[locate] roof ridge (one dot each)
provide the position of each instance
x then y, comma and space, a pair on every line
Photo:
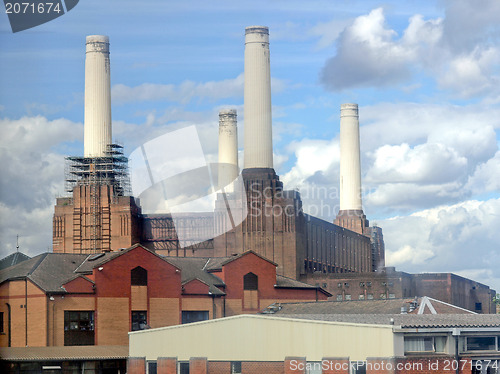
42, 258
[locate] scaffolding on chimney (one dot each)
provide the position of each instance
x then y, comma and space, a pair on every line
109, 170
96, 172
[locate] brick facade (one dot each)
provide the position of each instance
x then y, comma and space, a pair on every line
107, 293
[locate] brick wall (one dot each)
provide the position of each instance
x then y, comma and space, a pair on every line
219, 367
295, 365
261, 367
166, 365
198, 365
136, 365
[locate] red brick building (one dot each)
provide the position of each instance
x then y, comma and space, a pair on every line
57, 299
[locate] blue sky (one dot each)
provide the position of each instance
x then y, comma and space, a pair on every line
425, 75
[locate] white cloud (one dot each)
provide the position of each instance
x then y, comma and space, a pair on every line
370, 53
486, 177
367, 55
32, 172
182, 93
186, 91
329, 31
414, 156
456, 238
425, 163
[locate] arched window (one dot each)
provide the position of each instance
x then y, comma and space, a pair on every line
139, 277
250, 282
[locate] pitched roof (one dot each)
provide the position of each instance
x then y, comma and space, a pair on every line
47, 270
407, 320
428, 305
232, 258
392, 306
285, 282
13, 259
194, 268
421, 305
77, 352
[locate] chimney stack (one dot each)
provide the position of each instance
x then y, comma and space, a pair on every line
228, 149
97, 120
351, 214
350, 166
257, 99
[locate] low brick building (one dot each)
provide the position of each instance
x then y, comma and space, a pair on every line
58, 299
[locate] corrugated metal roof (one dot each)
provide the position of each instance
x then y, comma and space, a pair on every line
79, 352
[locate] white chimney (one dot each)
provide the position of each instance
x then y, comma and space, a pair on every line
350, 166
257, 99
228, 148
97, 133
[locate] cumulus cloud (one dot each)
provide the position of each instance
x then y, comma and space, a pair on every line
458, 51
32, 171
457, 238
414, 156
366, 55
425, 163
485, 178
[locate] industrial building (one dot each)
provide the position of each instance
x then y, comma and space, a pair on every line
258, 214
114, 269
384, 343
100, 215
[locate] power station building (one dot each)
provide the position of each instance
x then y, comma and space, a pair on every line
252, 210
101, 216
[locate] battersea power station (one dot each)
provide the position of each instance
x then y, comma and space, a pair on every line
248, 210
252, 211
162, 237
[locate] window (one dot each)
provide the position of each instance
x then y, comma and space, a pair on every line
369, 296
139, 277
78, 327
425, 344
189, 316
139, 320
325, 285
236, 367
368, 284
346, 284
392, 296
361, 297
313, 367
358, 367
481, 343
361, 284
382, 295
251, 282
152, 367
339, 297
339, 285
348, 297
1, 322
183, 367
479, 307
